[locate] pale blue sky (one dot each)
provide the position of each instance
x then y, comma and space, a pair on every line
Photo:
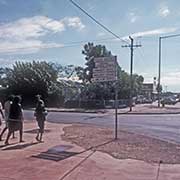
45, 29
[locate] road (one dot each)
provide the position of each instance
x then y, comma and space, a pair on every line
164, 127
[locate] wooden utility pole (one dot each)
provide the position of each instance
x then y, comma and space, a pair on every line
131, 46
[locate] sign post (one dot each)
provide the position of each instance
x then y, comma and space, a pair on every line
116, 110
106, 69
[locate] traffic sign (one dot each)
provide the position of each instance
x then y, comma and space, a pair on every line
105, 69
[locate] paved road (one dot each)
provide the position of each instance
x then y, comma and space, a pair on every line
165, 127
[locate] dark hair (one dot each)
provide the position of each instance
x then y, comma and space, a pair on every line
10, 98
17, 99
15, 108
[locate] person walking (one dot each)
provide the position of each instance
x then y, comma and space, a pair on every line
40, 114
7, 105
15, 122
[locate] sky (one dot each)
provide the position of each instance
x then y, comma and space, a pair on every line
56, 31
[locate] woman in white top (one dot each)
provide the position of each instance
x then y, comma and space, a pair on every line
7, 106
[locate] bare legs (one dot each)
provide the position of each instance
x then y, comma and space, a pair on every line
9, 135
20, 135
12, 130
39, 136
7, 139
40, 130
3, 131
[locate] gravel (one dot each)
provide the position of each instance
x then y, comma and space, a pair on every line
128, 145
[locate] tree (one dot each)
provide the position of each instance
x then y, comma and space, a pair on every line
81, 73
3, 73
105, 90
31, 78
137, 84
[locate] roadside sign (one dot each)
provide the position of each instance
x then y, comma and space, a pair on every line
105, 69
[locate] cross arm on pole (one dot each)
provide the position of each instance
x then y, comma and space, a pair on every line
137, 45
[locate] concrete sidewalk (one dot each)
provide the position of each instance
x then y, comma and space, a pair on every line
56, 159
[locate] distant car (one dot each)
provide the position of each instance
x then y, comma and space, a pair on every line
143, 100
168, 100
139, 99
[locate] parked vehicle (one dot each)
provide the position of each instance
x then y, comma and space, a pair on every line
169, 100
143, 100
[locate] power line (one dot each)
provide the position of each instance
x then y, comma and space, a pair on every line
96, 21
65, 45
140, 57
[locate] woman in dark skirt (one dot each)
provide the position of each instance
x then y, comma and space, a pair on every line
15, 122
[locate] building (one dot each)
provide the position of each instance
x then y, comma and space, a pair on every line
149, 90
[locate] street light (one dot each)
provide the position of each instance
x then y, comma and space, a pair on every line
159, 76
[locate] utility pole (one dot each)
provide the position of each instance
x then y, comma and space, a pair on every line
131, 46
116, 102
116, 110
159, 75
159, 70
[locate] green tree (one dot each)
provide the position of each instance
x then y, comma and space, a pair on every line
31, 78
105, 90
137, 83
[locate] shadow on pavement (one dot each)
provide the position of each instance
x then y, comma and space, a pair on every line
105, 143
34, 131
6, 178
2, 146
20, 146
58, 156
58, 153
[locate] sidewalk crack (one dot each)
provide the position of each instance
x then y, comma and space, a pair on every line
76, 166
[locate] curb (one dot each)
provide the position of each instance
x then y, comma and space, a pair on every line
72, 111
148, 113
105, 111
